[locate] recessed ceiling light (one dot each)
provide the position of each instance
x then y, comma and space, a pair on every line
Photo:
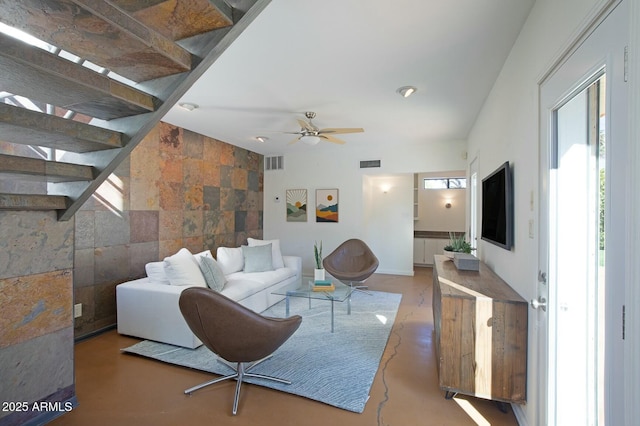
262, 139
188, 106
406, 91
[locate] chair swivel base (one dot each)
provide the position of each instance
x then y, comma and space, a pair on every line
360, 288
240, 373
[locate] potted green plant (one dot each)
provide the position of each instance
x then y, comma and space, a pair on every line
318, 273
457, 244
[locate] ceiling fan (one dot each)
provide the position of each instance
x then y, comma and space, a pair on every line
311, 135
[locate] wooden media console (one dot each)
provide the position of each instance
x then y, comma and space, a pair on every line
480, 333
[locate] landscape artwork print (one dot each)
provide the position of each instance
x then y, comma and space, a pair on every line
296, 205
327, 205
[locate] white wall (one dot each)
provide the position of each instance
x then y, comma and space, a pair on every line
507, 129
361, 216
389, 200
432, 213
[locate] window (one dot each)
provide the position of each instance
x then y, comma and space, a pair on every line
445, 183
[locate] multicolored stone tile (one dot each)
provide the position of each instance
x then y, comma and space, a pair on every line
226, 155
171, 224
227, 199
239, 179
140, 254
193, 144
111, 228
192, 223
170, 167
145, 163
171, 195
170, 138
34, 242
145, 195
193, 197
35, 305
144, 225
84, 268
211, 198
211, 174
111, 264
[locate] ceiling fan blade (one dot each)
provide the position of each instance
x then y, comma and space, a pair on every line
333, 139
294, 141
337, 130
306, 126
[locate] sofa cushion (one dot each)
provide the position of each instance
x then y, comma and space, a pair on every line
156, 273
230, 259
257, 259
241, 285
276, 254
182, 269
212, 272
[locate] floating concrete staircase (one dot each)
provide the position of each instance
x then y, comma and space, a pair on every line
74, 107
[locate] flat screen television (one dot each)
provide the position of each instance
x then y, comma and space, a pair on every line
497, 207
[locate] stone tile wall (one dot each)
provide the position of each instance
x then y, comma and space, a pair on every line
178, 189
36, 324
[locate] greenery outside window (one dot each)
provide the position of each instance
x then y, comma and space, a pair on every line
445, 183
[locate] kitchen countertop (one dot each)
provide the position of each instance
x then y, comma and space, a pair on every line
433, 234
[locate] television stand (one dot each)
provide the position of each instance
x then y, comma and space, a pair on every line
480, 326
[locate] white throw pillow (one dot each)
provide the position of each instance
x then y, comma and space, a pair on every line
257, 258
182, 269
206, 253
155, 272
230, 259
276, 254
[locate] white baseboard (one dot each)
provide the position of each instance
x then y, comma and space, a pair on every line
395, 272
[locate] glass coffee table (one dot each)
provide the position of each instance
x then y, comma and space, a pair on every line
340, 294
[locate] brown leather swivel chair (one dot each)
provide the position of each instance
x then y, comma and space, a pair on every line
235, 333
352, 261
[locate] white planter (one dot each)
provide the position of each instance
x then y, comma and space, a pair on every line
318, 274
449, 254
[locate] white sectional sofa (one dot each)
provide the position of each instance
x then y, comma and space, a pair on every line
148, 307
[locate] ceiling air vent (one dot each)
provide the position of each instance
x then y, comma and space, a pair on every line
274, 163
366, 164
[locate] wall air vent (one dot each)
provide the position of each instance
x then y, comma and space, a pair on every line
274, 163
366, 164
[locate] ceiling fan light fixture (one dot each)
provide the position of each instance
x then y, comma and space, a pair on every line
310, 139
406, 91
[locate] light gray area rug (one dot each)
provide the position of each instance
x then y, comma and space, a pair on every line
334, 368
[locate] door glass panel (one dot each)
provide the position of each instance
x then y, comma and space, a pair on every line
577, 253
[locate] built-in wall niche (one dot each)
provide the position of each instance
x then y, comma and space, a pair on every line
440, 201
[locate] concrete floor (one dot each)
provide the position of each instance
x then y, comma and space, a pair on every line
118, 389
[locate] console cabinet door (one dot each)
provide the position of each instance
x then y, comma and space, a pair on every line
418, 251
425, 248
430, 248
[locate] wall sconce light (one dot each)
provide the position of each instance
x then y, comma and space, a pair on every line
448, 204
385, 188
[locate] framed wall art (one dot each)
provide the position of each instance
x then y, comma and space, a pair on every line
327, 205
296, 205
